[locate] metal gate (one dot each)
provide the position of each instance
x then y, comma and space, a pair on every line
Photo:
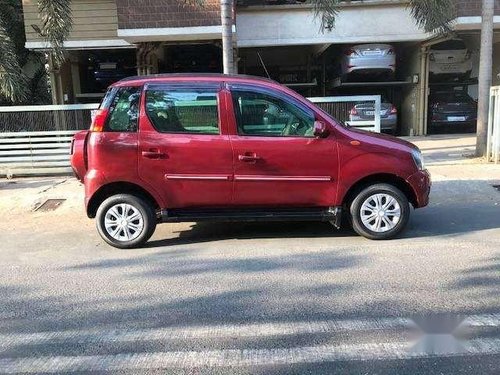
341, 107
36, 140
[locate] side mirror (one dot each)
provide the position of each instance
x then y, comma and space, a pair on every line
320, 129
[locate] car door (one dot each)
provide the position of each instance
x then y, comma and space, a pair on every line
184, 150
277, 159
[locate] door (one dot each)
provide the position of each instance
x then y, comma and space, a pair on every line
184, 152
278, 161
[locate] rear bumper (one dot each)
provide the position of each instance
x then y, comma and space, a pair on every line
93, 181
446, 122
421, 184
443, 69
386, 123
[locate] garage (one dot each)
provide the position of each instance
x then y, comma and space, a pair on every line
319, 70
452, 85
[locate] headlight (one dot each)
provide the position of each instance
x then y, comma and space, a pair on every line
418, 159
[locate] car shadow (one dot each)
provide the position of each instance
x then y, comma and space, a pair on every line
216, 231
457, 207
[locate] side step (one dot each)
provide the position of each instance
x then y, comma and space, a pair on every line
332, 214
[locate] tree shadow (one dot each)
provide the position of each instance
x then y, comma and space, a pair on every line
481, 280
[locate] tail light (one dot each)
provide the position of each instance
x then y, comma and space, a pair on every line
391, 51
353, 112
350, 52
99, 120
436, 105
394, 110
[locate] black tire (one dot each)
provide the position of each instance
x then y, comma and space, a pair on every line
366, 193
147, 214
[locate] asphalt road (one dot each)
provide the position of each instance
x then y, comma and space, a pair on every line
253, 298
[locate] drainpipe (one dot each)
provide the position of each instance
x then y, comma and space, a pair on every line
424, 89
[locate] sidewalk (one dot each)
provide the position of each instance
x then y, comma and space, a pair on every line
447, 149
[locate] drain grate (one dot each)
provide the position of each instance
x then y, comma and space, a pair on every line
50, 205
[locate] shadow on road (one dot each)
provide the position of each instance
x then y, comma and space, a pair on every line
215, 231
457, 207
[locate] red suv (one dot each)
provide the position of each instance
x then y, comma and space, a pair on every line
213, 147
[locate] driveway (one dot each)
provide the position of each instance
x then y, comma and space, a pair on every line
256, 298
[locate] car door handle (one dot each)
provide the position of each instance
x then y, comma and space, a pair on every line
153, 154
253, 158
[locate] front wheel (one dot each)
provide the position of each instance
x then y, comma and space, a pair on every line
380, 212
125, 221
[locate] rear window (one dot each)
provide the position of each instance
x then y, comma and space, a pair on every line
124, 110
450, 97
450, 45
183, 110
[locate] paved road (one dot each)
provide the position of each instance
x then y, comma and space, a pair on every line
254, 298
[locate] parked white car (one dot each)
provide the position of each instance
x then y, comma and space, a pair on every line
450, 59
369, 59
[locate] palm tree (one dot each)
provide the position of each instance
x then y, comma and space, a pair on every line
56, 24
226, 15
485, 76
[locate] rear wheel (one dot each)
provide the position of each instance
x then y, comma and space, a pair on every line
125, 221
380, 212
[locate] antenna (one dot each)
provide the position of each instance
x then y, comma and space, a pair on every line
263, 65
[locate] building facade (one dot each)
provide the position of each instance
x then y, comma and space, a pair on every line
281, 39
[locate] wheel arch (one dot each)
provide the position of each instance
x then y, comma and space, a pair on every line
119, 187
380, 178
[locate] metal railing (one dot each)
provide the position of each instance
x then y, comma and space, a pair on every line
45, 117
493, 145
339, 107
36, 140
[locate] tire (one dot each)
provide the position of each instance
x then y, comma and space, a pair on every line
371, 219
110, 211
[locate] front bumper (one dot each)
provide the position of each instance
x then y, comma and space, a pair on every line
421, 184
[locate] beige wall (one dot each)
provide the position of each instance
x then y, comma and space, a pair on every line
355, 23
92, 20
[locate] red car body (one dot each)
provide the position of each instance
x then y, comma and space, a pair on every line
232, 171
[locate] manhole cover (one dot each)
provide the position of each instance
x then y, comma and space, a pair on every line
50, 205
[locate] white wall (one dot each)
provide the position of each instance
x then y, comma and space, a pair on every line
296, 25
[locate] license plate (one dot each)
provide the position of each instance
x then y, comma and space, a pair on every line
456, 118
107, 66
450, 67
372, 53
370, 113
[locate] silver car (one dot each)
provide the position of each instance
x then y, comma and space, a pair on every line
366, 112
369, 59
450, 59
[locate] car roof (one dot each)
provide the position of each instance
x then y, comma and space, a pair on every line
190, 77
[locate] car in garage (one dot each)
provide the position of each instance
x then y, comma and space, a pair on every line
369, 61
198, 147
452, 111
365, 111
450, 60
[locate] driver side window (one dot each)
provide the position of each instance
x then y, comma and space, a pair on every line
261, 114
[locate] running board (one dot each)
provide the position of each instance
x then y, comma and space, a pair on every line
332, 214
